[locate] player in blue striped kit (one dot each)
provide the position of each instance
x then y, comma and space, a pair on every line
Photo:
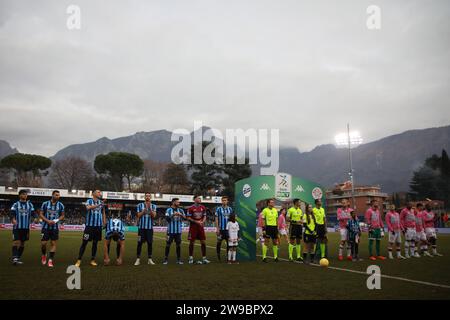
51, 213
175, 216
146, 212
22, 213
222, 215
95, 221
115, 230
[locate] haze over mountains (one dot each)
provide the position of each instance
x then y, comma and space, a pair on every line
388, 162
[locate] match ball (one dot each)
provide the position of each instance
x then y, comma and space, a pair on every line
324, 262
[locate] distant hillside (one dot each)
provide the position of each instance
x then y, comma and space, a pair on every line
388, 162
6, 149
155, 145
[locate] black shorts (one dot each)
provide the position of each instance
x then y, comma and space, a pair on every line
295, 231
271, 232
321, 232
145, 235
309, 238
223, 235
171, 237
49, 234
21, 234
92, 233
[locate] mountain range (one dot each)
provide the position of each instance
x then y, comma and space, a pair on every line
388, 162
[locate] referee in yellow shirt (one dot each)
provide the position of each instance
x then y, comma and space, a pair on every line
296, 218
270, 229
321, 222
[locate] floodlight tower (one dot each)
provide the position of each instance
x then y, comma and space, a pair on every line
348, 140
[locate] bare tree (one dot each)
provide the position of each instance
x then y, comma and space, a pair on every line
175, 178
71, 173
152, 178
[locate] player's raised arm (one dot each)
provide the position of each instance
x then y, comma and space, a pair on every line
90, 205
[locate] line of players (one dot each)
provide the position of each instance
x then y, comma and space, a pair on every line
52, 213
416, 224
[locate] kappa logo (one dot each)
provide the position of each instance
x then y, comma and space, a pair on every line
299, 188
265, 186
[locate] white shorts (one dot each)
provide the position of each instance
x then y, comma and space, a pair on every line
395, 237
232, 243
420, 236
344, 234
410, 234
282, 232
430, 233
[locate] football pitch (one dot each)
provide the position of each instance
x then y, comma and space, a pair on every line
423, 278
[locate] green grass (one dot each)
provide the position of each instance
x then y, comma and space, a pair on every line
253, 280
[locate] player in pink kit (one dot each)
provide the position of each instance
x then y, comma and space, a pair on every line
428, 222
375, 224
421, 238
395, 232
408, 222
260, 228
343, 215
282, 226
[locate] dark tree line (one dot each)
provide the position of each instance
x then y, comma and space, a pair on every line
432, 179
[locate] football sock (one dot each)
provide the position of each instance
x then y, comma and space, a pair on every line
341, 249
20, 251
275, 251
43, 250
149, 248
82, 249
14, 252
370, 247
118, 250
139, 249
264, 251
52, 255
166, 254
299, 250
218, 247
229, 255
178, 247
349, 250
291, 250
407, 247
94, 249
203, 246
191, 249
234, 256
377, 246
322, 250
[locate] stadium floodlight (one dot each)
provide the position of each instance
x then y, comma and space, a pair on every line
348, 140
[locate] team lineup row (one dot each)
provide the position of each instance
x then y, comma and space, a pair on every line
51, 214
417, 224
297, 227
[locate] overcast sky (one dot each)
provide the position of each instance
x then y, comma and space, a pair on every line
304, 67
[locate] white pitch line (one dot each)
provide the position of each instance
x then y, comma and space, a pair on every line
382, 275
